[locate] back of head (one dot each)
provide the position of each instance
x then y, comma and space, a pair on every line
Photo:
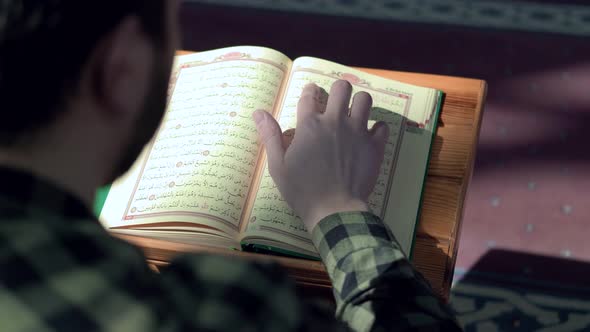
44, 45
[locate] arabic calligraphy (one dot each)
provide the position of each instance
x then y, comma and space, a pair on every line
203, 158
270, 208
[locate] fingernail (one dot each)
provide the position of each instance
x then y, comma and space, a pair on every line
258, 116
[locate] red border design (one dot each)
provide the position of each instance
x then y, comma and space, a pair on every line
403, 125
171, 88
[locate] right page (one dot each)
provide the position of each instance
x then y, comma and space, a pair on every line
410, 112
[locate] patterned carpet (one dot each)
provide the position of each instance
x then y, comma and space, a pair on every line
569, 17
524, 254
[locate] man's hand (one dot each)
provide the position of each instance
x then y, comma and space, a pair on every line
333, 162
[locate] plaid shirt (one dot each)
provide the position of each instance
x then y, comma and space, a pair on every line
61, 271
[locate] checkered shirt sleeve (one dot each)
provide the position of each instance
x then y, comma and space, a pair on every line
374, 285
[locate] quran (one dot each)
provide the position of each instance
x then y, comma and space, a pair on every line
203, 178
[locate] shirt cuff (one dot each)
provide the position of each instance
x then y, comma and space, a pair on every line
341, 234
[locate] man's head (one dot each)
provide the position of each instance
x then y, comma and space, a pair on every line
92, 72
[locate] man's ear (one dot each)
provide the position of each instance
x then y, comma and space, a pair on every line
120, 69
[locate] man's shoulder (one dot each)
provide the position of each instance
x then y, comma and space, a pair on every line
50, 244
55, 277
227, 270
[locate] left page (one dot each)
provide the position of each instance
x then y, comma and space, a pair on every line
196, 173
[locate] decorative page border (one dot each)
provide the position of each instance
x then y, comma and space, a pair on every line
356, 81
232, 56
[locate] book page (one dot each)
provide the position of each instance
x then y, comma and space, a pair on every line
401, 106
200, 165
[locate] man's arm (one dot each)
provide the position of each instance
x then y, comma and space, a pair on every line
375, 286
331, 167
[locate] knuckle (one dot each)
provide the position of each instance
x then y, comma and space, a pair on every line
275, 172
268, 134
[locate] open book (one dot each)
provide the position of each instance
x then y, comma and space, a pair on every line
203, 178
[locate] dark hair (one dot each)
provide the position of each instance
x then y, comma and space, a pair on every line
44, 45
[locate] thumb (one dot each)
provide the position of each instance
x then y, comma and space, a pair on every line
271, 136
